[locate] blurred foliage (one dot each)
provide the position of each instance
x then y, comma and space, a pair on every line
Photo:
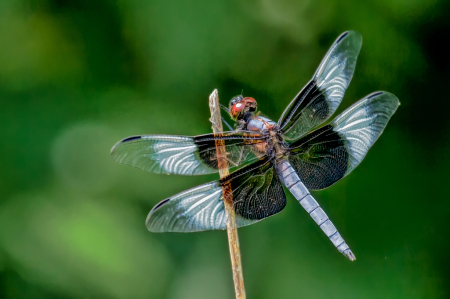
77, 76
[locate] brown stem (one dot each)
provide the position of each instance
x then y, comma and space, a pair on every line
233, 240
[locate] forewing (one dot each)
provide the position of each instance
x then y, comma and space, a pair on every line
319, 99
328, 154
255, 190
185, 155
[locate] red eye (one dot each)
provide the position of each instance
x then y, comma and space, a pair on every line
238, 106
236, 109
248, 99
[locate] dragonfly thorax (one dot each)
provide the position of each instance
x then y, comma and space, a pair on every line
267, 126
261, 124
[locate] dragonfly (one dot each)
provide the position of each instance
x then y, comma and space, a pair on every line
297, 152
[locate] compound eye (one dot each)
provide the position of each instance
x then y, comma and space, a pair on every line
249, 99
239, 106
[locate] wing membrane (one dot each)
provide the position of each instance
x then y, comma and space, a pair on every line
185, 155
319, 99
255, 190
196, 209
328, 154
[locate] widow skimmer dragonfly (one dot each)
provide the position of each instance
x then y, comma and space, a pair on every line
295, 152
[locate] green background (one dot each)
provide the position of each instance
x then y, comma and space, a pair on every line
77, 76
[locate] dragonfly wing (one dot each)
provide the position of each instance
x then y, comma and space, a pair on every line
185, 155
255, 190
319, 99
328, 154
197, 209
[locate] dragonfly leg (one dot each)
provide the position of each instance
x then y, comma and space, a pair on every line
229, 127
225, 108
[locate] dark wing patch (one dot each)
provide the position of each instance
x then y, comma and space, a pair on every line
320, 158
328, 154
312, 109
256, 190
318, 100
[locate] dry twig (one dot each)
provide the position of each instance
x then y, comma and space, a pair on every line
233, 240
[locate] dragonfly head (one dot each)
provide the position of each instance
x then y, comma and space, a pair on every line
240, 105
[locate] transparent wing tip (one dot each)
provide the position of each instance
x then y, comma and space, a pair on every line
128, 139
388, 98
349, 254
150, 222
114, 148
